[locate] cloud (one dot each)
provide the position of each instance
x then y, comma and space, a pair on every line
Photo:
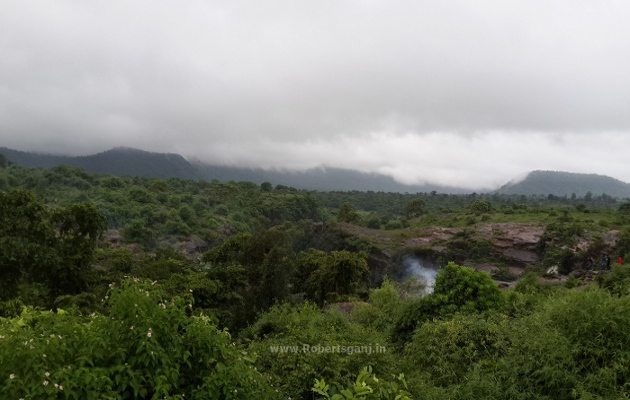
460, 93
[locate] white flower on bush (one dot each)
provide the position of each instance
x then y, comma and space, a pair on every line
45, 383
12, 376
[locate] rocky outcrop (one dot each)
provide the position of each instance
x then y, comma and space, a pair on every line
512, 241
517, 242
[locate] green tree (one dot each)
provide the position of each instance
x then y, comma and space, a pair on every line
457, 289
55, 248
624, 208
78, 226
463, 288
27, 239
187, 214
415, 208
481, 206
348, 213
137, 231
266, 187
342, 273
3, 161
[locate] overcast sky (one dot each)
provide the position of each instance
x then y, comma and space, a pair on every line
461, 93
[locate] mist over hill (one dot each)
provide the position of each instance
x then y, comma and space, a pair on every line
566, 183
133, 162
117, 161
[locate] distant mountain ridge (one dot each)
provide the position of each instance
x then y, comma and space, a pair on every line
566, 183
133, 162
117, 161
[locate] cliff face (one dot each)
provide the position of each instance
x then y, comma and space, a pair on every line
517, 244
483, 246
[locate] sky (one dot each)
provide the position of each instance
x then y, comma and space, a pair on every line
460, 93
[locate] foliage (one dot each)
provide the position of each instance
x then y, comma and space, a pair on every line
530, 284
443, 351
466, 340
297, 344
481, 206
144, 346
617, 282
341, 273
457, 289
464, 289
368, 387
53, 247
415, 208
504, 274
348, 213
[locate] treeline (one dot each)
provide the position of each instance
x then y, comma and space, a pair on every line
394, 204
148, 210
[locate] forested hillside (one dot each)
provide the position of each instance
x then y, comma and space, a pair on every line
146, 288
567, 184
134, 162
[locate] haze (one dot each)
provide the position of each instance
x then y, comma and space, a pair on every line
459, 93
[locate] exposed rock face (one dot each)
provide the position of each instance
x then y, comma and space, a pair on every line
517, 242
521, 256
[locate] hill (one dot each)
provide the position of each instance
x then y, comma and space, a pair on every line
566, 183
123, 161
118, 161
133, 162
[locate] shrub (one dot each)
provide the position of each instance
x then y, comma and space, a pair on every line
457, 289
464, 289
443, 351
142, 347
367, 386
504, 274
280, 335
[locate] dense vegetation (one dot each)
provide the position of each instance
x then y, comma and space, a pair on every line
120, 287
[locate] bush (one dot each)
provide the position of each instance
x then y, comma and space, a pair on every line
457, 289
280, 335
504, 274
464, 289
391, 225
444, 351
617, 282
142, 347
367, 386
